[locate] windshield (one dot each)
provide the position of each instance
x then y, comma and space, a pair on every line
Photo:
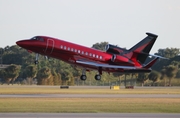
37, 38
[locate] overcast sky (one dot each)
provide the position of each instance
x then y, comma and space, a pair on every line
86, 22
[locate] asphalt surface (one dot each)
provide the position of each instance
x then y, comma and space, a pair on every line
90, 96
88, 115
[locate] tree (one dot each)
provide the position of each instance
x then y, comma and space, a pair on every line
30, 72
119, 75
44, 76
163, 75
178, 74
154, 75
65, 76
142, 77
171, 72
11, 73
12, 55
100, 46
168, 52
56, 77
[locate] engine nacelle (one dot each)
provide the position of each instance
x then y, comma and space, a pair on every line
114, 49
120, 59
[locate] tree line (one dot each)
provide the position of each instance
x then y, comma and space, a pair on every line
50, 71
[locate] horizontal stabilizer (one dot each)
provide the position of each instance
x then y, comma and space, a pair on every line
151, 63
157, 56
154, 55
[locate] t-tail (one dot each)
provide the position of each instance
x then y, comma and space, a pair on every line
139, 52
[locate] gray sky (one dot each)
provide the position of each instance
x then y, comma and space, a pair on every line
86, 22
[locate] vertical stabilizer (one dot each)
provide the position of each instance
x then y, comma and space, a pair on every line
141, 50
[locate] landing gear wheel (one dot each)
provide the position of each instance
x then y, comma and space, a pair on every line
97, 77
83, 77
36, 62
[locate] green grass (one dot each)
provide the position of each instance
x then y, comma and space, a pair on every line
90, 105
4, 89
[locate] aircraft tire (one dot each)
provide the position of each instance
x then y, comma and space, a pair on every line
83, 77
36, 62
97, 77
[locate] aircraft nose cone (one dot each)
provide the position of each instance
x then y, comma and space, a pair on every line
22, 43
18, 42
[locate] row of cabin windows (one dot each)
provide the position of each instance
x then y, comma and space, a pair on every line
80, 52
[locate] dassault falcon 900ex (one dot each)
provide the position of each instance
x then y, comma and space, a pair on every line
114, 59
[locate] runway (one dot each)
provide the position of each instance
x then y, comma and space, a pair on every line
88, 115
90, 96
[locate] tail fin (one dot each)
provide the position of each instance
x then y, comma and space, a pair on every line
141, 50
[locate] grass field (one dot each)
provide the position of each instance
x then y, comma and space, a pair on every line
88, 105
5, 89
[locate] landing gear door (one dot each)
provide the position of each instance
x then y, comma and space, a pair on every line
49, 46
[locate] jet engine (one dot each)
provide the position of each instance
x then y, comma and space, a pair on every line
119, 58
112, 49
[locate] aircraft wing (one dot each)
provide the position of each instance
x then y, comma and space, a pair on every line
98, 65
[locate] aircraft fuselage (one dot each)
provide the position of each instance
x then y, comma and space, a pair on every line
115, 59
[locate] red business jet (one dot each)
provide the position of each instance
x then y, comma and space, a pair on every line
114, 59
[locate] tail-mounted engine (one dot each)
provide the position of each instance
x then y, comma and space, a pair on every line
114, 49
120, 59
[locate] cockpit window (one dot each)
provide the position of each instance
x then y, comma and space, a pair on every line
37, 38
34, 38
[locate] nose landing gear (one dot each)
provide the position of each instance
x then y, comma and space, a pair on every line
37, 58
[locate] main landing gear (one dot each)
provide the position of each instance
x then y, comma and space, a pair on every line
97, 77
84, 77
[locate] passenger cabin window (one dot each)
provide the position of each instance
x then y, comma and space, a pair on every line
82, 52
68, 48
75, 50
